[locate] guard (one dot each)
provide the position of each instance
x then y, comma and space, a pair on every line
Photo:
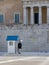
19, 47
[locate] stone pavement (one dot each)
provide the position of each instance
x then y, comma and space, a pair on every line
24, 60
26, 54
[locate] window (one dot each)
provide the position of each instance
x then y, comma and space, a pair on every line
1, 18
11, 43
16, 18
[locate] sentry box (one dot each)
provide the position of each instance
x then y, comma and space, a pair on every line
12, 43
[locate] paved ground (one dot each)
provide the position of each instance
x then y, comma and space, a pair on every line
24, 60
26, 54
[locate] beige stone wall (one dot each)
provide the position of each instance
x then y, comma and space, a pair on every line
9, 7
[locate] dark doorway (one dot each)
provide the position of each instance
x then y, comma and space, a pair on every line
36, 18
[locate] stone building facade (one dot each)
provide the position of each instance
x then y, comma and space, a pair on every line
27, 18
27, 11
9, 8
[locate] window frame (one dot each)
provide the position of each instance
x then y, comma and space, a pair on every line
14, 17
10, 43
3, 18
